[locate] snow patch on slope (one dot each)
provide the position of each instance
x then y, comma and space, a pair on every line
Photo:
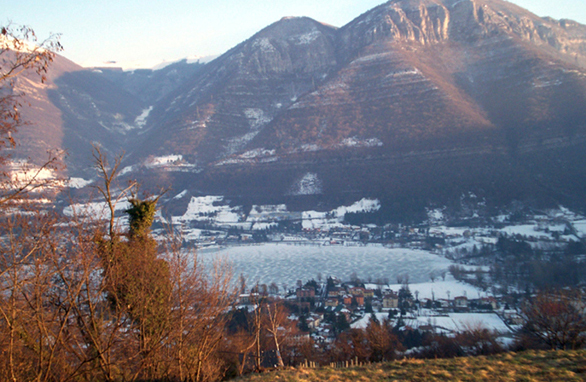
24, 174
163, 160
259, 155
172, 162
335, 218
256, 117
307, 38
140, 121
435, 216
214, 210
207, 208
309, 184
363, 205
78, 182
97, 210
180, 195
357, 142
264, 44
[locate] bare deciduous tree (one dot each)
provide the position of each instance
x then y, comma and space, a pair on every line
276, 316
202, 295
557, 319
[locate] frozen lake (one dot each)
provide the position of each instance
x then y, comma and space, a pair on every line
287, 263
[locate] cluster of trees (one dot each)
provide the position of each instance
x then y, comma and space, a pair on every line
554, 320
514, 262
520, 265
82, 299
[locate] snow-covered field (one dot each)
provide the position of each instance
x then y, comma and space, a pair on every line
452, 322
580, 226
440, 289
285, 263
97, 210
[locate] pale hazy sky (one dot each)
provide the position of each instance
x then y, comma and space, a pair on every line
144, 33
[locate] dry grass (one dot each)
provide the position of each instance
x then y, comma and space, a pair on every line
526, 366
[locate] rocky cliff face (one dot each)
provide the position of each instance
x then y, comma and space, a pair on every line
433, 21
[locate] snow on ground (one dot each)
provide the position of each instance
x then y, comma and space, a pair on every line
234, 144
78, 182
315, 219
580, 226
452, 322
140, 121
564, 213
257, 118
285, 264
180, 195
363, 322
126, 170
335, 218
448, 231
306, 38
457, 322
266, 215
206, 208
252, 156
256, 153
261, 210
363, 205
525, 230
163, 160
440, 289
264, 44
97, 210
309, 147
192, 234
356, 142
227, 215
203, 204
20, 45
259, 226
210, 208
309, 184
435, 215
23, 173
541, 231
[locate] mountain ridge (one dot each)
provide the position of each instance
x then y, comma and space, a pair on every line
414, 102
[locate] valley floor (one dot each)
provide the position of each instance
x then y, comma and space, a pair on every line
525, 366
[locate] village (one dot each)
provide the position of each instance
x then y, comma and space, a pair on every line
323, 310
444, 301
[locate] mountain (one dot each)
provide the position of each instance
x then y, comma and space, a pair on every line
221, 110
417, 103
149, 85
77, 107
